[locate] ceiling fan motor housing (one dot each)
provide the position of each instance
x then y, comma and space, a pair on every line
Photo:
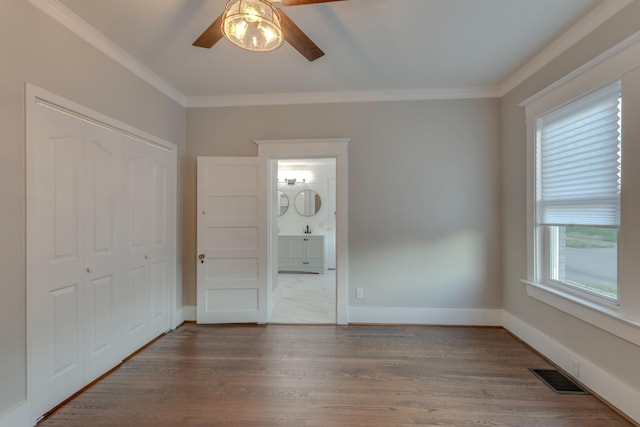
253, 25
259, 26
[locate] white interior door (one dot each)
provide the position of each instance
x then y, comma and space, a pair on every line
232, 264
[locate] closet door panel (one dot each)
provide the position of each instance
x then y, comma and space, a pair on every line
159, 294
159, 239
66, 176
65, 326
103, 258
138, 192
159, 201
56, 262
99, 297
138, 313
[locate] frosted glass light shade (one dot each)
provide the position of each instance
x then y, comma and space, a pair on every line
253, 25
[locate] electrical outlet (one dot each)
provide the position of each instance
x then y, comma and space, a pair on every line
359, 293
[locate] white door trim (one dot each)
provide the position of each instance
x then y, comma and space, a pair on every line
323, 147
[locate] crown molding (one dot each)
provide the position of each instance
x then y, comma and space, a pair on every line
80, 27
574, 34
340, 97
593, 63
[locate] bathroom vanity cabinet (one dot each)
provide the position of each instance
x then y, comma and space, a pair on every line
304, 253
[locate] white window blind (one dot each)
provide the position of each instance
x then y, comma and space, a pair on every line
578, 161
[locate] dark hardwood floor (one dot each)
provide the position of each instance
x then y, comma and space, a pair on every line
331, 376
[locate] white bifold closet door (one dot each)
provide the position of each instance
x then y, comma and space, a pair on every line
103, 231
89, 206
148, 243
74, 269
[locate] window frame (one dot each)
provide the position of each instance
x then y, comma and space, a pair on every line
622, 318
547, 255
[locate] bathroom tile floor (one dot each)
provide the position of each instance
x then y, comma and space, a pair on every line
305, 298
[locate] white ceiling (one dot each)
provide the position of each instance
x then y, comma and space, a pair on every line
371, 46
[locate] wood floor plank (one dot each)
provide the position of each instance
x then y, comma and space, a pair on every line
331, 376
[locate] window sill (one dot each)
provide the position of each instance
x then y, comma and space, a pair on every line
604, 316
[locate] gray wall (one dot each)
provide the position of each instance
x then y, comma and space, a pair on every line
423, 192
615, 355
36, 49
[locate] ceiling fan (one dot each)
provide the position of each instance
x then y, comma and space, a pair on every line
245, 21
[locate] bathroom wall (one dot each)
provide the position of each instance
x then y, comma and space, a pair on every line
293, 222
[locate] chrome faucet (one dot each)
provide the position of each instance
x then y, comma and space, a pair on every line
307, 230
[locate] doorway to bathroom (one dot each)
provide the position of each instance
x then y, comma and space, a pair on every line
304, 289
337, 148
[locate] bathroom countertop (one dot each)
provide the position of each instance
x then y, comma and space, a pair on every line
300, 234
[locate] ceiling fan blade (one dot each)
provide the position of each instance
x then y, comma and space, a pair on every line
298, 39
211, 35
302, 2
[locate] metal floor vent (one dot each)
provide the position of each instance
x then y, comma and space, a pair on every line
557, 381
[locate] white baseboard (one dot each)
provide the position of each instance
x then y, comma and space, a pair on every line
189, 313
605, 385
426, 316
406, 315
16, 417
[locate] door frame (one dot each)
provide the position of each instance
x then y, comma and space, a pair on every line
337, 148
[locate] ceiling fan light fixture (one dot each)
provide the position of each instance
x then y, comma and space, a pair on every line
252, 25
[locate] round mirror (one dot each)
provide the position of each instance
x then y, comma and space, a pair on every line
283, 201
307, 203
